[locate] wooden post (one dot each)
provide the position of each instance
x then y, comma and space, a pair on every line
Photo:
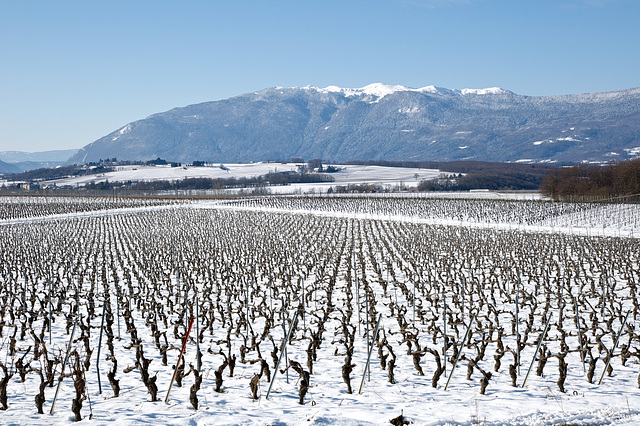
184, 345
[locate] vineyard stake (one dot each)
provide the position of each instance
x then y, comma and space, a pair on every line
444, 324
184, 345
366, 368
198, 362
118, 305
414, 302
464, 286
464, 340
367, 323
544, 334
66, 358
304, 310
518, 326
104, 308
604, 292
284, 332
84, 375
615, 345
78, 297
282, 350
50, 314
355, 275
246, 311
575, 304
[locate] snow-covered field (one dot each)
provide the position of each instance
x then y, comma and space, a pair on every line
348, 175
250, 264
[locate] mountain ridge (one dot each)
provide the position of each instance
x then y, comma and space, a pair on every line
382, 121
22, 161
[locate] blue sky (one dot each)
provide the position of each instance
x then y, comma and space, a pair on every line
73, 71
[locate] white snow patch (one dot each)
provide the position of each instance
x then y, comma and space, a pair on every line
125, 129
568, 139
633, 151
377, 91
409, 110
487, 91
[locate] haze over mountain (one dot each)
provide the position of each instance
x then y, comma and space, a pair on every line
384, 122
24, 161
8, 168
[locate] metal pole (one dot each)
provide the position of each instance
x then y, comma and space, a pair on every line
575, 304
282, 350
544, 334
118, 305
366, 369
518, 326
246, 300
444, 325
198, 362
66, 358
464, 340
414, 303
464, 286
50, 315
367, 324
284, 332
615, 345
355, 276
104, 308
304, 310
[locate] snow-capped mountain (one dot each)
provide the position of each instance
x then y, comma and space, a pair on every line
381, 121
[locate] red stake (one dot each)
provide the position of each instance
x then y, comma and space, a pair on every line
184, 345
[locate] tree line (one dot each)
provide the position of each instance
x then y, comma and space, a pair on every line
612, 180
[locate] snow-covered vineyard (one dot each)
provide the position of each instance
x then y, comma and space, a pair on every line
293, 297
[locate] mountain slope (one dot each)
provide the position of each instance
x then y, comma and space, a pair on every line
384, 122
8, 168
